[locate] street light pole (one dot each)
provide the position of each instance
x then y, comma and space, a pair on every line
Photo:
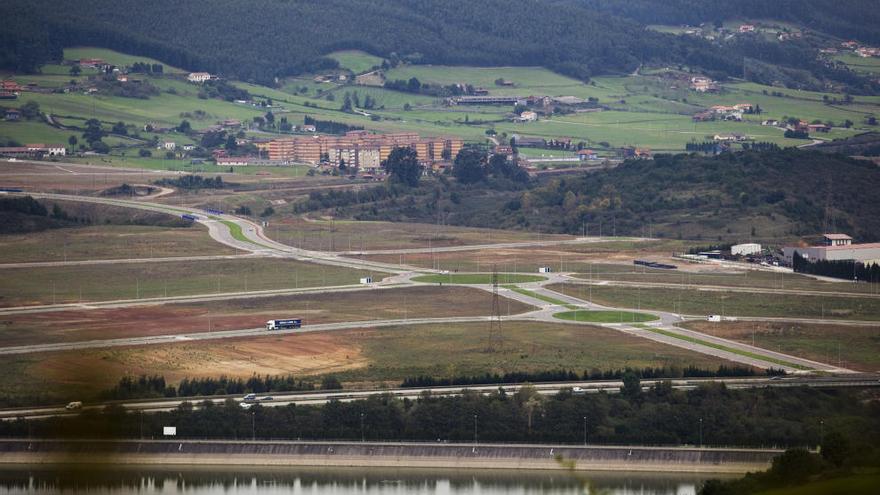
253, 425
701, 432
585, 431
475, 429
363, 436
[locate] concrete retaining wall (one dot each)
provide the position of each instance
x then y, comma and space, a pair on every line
427, 455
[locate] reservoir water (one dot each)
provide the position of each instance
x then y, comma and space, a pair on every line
39, 480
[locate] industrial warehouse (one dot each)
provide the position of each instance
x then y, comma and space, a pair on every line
836, 247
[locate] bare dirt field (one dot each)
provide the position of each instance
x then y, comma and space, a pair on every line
855, 347
337, 235
78, 325
567, 257
71, 178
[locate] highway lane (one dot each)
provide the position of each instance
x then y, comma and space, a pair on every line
123, 261
227, 334
498, 245
223, 296
323, 396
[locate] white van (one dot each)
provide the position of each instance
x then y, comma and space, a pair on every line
714, 318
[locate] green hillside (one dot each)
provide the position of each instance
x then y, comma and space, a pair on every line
260, 40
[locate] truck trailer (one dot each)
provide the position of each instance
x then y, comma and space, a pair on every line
284, 324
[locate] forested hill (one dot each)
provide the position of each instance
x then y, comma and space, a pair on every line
258, 40
731, 197
850, 19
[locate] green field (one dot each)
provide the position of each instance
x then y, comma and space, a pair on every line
725, 348
745, 278
542, 297
24, 286
641, 110
109, 242
454, 350
356, 60
477, 278
696, 302
605, 316
853, 347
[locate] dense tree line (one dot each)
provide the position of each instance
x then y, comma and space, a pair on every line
596, 374
847, 270
193, 182
145, 386
329, 126
251, 40
660, 415
704, 197
799, 467
791, 183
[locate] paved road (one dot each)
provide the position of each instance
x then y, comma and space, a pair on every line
122, 261
497, 245
323, 396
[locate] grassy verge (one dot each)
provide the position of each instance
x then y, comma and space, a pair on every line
854, 347
605, 316
237, 234
542, 297
693, 301
477, 278
725, 348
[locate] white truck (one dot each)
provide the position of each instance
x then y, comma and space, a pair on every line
287, 324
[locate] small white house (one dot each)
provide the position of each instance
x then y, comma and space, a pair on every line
198, 77
745, 249
528, 116
169, 145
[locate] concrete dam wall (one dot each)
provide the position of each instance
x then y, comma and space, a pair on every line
368, 454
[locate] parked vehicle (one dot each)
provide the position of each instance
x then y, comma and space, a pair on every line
284, 324
73, 406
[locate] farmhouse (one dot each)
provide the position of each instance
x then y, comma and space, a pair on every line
198, 77
703, 84
12, 114
47, 149
585, 155
527, 116
730, 137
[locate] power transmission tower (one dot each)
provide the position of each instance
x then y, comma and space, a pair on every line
496, 339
